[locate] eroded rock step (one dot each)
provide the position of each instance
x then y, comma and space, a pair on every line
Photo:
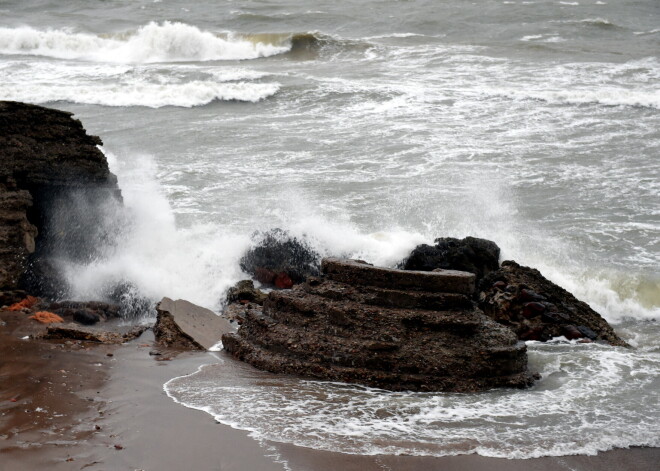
395, 355
281, 363
355, 273
387, 297
298, 308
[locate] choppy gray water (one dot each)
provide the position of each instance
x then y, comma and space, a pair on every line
370, 127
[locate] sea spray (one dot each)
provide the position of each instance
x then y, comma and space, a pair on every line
200, 262
197, 263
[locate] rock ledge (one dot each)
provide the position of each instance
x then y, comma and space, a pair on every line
391, 329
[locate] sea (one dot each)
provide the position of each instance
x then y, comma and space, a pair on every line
366, 128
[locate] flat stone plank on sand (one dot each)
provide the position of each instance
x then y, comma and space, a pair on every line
357, 273
202, 326
73, 331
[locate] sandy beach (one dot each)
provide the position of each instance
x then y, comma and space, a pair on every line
69, 406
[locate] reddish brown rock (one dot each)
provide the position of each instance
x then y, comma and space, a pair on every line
283, 281
392, 329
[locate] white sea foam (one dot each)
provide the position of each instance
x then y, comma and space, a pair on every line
653, 31
605, 96
581, 406
154, 42
140, 93
131, 85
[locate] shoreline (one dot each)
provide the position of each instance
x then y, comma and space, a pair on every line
112, 412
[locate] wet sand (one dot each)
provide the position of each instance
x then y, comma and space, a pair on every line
72, 406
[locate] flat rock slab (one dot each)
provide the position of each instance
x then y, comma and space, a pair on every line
73, 331
182, 324
353, 272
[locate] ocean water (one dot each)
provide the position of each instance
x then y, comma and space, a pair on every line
367, 128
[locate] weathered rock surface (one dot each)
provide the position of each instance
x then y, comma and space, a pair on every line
537, 309
244, 291
478, 256
391, 329
77, 332
182, 324
52, 178
280, 260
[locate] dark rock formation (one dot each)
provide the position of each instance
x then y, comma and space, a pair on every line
280, 260
392, 329
478, 256
537, 309
181, 324
244, 291
53, 183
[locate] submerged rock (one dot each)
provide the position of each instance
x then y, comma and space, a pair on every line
182, 324
537, 309
392, 329
478, 256
281, 260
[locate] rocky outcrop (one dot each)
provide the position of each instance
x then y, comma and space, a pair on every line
280, 260
183, 325
392, 329
478, 256
53, 179
537, 309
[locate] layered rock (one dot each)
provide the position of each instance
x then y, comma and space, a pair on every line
392, 329
53, 178
537, 309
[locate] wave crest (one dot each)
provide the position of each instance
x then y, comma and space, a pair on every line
154, 42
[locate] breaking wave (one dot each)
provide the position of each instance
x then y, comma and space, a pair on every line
154, 42
161, 42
